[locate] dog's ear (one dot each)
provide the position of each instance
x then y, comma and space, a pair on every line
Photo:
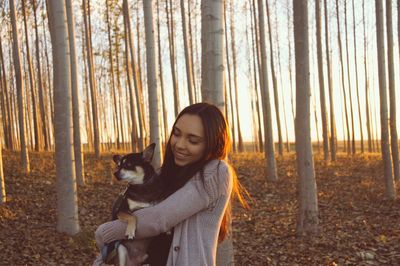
148, 153
117, 159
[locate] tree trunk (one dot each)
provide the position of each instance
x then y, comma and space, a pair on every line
357, 87
268, 136
387, 160
40, 83
370, 140
392, 91
172, 54
212, 47
67, 200
188, 56
321, 81
274, 84
353, 141
79, 165
91, 75
20, 90
32, 83
228, 87
3, 196
152, 81
307, 223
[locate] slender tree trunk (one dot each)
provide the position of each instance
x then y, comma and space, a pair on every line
229, 87
233, 45
79, 165
188, 55
289, 26
321, 81
370, 141
392, 91
353, 141
307, 223
356, 71
8, 133
152, 81
269, 143
256, 62
20, 90
172, 54
91, 75
387, 160
31, 82
160, 69
343, 76
130, 74
136, 79
274, 83
40, 84
67, 200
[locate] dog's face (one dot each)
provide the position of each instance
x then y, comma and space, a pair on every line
135, 168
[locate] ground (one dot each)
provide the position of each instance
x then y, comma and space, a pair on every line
358, 225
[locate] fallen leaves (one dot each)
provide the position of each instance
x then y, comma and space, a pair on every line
358, 225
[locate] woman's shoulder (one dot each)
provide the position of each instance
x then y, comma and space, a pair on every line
216, 166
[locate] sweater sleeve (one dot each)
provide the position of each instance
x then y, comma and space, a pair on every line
192, 198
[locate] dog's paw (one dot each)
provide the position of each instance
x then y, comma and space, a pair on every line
130, 230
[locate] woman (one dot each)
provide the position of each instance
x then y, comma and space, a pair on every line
197, 186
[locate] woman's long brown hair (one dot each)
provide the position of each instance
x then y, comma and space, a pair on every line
218, 144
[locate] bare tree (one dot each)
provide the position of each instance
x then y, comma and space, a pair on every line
369, 133
79, 165
307, 222
20, 90
321, 81
152, 81
268, 137
392, 91
67, 200
91, 76
387, 160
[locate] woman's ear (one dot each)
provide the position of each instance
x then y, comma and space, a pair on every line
148, 153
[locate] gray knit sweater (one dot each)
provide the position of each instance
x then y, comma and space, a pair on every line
195, 212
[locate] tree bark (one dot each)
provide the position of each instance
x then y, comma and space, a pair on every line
268, 136
20, 90
307, 223
67, 200
387, 160
321, 81
79, 161
392, 91
152, 82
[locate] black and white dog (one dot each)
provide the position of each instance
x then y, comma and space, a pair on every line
141, 192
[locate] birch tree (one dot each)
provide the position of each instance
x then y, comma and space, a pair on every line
67, 200
20, 86
152, 81
387, 160
307, 221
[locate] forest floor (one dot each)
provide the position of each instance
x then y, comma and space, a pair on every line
359, 226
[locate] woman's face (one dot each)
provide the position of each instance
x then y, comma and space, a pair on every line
187, 141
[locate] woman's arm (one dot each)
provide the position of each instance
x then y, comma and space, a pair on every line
192, 198
182, 204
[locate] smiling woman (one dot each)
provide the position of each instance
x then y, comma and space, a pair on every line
197, 183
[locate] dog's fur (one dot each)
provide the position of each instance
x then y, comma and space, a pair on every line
141, 192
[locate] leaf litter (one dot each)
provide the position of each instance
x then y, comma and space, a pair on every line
358, 225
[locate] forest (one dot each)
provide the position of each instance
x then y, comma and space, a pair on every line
309, 90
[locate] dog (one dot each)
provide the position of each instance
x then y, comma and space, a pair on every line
141, 192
